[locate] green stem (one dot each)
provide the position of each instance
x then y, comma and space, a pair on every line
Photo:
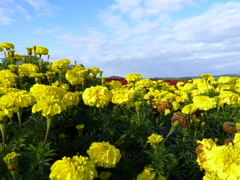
173, 128
2, 128
14, 175
49, 121
19, 115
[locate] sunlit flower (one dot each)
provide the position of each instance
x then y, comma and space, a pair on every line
98, 96
7, 78
27, 69
74, 78
114, 84
155, 139
41, 50
7, 45
94, 71
59, 66
41, 91
123, 96
133, 77
204, 102
49, 107
104, 154
20, 99
70, 99
76, 168
61, 85
224, 79
189, 108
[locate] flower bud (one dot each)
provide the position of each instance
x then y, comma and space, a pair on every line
11, 161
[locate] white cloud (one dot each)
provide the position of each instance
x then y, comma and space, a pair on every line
168, 6
48, 29
218, 24
43, 7
137, 43
5, 17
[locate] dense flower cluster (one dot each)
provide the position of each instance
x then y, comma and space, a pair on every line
104, 154
75, 168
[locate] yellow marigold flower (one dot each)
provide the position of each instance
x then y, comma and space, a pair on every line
41, 91
76, 168
155, 139
11, 160
226, 97
49, 107
98, 96
210, 176
60, 65
13, 67
122, 96
7, 45
21, 98
189, 109
27, 69
224, 79
105, 175
149, 174
104, 154
70, 99
224, 161
7, 78
1, 48
74, 78
114, 84
236, 140
207, 76
146, 83
77, 67
204, 102
60, 85
133, 77
29, 50
80, 70
94, 71
16, 57
41, 50
4, 90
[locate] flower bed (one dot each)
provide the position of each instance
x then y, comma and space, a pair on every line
72, 123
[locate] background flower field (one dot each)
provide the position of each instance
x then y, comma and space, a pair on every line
60, 122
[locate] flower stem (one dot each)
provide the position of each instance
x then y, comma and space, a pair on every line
19, 115
49, 121
2, 129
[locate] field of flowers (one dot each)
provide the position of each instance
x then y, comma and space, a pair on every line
64, 123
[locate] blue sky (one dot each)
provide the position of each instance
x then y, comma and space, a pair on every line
156, 38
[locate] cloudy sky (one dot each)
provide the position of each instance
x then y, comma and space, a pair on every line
156, 38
